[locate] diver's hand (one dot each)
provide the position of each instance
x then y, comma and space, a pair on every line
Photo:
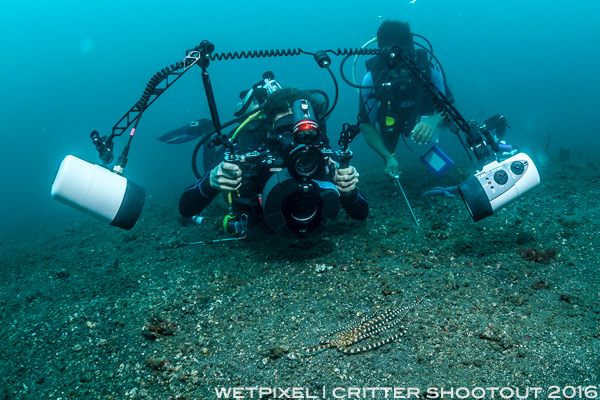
226, 176
346, 180
392, 168
424, 130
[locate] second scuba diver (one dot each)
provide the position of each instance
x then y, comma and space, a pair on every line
392, 103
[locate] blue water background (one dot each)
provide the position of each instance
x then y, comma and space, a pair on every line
69, 67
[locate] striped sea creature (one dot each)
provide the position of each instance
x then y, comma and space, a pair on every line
347, 339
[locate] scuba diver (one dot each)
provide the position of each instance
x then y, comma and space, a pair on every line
279, 167
392, 102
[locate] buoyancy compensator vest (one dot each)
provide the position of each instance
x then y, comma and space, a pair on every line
400, 98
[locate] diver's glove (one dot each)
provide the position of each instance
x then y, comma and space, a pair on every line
392, 168
346, 180
226, 176
425, 129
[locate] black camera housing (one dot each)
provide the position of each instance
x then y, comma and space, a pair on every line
291, 174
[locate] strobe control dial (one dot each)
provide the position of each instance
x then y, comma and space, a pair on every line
501, 177
517, 167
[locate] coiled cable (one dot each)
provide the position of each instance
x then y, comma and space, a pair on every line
257, 54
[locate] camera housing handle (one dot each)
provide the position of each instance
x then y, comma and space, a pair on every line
347, 135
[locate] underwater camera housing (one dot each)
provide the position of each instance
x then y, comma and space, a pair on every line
498, 184
301, 206
298, 194
98, 192
306, 159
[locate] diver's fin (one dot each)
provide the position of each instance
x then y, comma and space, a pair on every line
191, 131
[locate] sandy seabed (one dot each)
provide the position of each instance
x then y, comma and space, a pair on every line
511, 302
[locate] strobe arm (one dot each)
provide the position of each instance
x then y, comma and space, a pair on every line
478, 138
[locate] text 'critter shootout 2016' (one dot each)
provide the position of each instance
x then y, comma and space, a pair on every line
398, 392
